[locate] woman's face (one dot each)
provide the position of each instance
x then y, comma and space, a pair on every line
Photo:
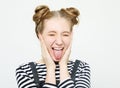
57, 36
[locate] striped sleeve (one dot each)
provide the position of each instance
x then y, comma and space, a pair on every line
49, 85
23, 79
68, 83
82, 79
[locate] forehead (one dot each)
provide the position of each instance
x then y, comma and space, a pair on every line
57, 24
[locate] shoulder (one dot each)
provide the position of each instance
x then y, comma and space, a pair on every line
25, 67
81, 63
83, 66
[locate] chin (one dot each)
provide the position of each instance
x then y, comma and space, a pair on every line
57, 60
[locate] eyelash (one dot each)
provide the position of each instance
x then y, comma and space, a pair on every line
54, 35
51, 34
65, 35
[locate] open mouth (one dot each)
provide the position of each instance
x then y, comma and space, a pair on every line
57, 52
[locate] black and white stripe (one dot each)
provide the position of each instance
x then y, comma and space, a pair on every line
25, 79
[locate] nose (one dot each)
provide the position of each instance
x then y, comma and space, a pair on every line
59, 40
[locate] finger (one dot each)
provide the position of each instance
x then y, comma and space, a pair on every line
44, 48
69, 49
42, 42
67, 54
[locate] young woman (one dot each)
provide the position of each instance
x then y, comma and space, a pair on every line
54, 30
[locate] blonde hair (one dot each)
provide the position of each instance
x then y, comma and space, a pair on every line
42, 12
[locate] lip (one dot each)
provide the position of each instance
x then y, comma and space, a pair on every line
57, 48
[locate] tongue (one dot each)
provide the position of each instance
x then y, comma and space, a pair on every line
57, 54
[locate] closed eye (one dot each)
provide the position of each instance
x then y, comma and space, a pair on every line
65, 34
51, 34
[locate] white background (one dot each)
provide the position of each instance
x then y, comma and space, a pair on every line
96, 39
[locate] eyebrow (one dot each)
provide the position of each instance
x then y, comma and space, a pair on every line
55, 32
51, 32
66, 32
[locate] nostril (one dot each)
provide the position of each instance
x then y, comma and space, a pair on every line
59, 42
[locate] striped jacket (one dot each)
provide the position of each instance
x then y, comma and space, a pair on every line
25, 78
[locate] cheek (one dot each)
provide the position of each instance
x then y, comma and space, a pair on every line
48, 41
67, 41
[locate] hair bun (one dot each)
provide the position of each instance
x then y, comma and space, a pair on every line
40, 12
72, 11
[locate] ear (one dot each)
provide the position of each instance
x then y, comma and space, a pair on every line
39, 36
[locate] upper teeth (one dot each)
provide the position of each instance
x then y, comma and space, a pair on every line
57, 48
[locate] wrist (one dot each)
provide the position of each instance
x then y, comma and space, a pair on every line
63, 64
50, 70
51, 67
50, 77
64, 73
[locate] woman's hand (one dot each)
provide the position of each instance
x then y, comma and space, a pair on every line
50, 76
65, 57
64, 73
45, 55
